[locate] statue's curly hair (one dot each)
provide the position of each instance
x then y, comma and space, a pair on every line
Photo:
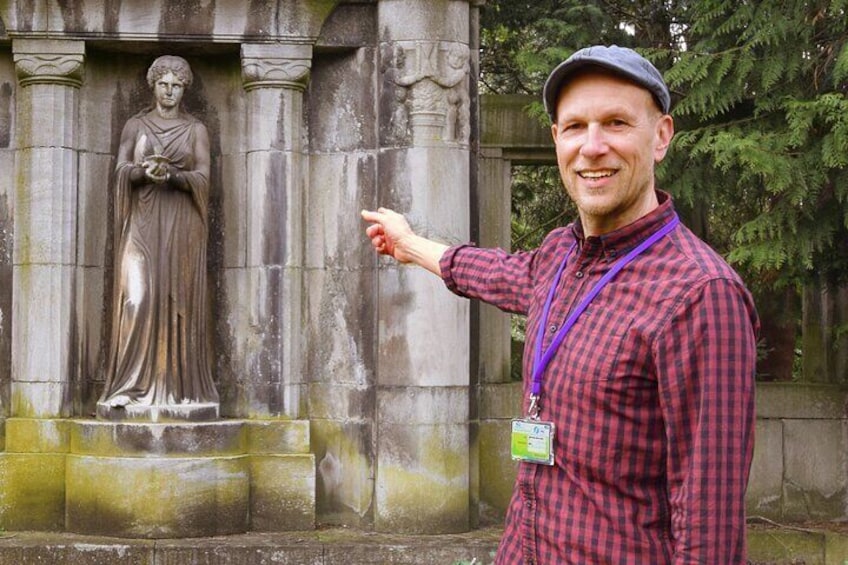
170, 63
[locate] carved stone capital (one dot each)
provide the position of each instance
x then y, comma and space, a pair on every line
275, 66
49, 62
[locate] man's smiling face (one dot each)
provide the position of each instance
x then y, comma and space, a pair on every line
609, 134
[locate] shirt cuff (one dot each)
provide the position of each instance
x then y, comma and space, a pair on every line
446, 265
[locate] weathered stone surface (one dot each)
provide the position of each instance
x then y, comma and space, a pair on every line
765, 485
338, 33
32, 491
767, 546
415, 461
40, 399
801, 401
423, 330
345, 469
260, 337
282, 492
108, 439
341, 86
91, 340
92, 207
274, 208
32, 435
8, 84
414, 19
45, 207
226, 22
496, 470
339, 190
341, 345
157, 497
42, 317
277, 436
418, 183
6, 241
506, 124
812, 490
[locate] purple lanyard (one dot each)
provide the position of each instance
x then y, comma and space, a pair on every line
540, 361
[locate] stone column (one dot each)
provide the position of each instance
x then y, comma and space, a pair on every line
45, 219
499, 399
44, 256
422, 413
264, 268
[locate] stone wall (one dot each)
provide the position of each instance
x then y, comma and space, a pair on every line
313, 114
801, 453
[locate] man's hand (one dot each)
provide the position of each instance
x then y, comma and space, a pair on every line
387, 232
391, 235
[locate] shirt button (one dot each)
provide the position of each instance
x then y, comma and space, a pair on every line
579, 274
553, 328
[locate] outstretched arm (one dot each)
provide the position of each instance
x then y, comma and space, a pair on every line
391, 235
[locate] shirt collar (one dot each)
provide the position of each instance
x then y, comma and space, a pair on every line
616, 243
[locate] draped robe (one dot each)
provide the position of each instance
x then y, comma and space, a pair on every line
159, 351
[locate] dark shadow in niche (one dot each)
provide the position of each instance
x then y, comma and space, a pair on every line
5, 114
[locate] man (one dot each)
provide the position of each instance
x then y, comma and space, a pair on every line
640, 355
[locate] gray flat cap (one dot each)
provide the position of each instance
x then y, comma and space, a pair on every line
622, 61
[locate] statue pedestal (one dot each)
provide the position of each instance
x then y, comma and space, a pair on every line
197, 412
157, 480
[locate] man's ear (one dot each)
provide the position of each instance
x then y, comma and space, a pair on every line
662, 136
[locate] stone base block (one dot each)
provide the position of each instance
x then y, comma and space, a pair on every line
200, 412
32, 491
282, 492
157, 497
166, 480
33, 435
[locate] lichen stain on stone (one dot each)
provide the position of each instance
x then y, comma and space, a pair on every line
345, 474
187, 17
25, 14
419, 501
73, 16
261, 18
5, 115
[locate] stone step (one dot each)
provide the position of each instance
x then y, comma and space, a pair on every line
768, 545
320, 547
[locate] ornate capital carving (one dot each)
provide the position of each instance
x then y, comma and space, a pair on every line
49, 62
434, 76
285, 66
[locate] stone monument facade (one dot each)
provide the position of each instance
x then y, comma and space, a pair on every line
343, 381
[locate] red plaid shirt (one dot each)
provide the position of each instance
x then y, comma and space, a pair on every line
652, 395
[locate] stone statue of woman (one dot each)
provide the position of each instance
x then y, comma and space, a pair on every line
158, 350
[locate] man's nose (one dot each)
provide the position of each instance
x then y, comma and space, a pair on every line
594, 142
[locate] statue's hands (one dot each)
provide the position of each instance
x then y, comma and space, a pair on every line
156, 170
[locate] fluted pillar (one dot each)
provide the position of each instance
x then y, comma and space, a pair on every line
264, 273
49, 75
422, 481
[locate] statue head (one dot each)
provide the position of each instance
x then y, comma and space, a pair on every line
170, 63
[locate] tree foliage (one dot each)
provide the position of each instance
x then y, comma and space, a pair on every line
760, 160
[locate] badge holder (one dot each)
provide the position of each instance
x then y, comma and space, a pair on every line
532, 440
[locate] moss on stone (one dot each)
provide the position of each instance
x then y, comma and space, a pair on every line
420, 501
34, 435
282, 492
32, 491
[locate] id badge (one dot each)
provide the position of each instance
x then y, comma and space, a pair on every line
532, 441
